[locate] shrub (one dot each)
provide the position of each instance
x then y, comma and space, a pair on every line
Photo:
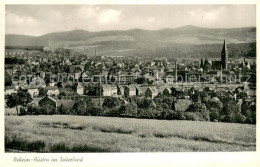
110, 102
130, 110
200, 110
214, 114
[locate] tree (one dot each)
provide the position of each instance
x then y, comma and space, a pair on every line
62, 109
12, 101
207, 66
33, 110
249, 111
252, 51
82, 104
165, 102
231, 113
42, 92
214, 108
130, 110
242, 95
94, 111
49, 109
22, 98
200, 110
140, 80
144, 103
111, 102
8, 79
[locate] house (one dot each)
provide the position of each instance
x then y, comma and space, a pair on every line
52, 83
151, 92
65, 103
181, 104
167, 91
130, 90
80, 89
10, 90
106, 90
33, 90
52, 91
47, 101
140, 90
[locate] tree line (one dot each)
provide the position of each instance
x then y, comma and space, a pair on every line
222, 108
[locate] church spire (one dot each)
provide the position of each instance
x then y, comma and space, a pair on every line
225, 47
224, 56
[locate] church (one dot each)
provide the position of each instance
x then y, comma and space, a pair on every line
223, 63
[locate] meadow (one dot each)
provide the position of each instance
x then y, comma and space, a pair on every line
64, 133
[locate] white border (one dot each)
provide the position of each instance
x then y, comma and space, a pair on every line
243, 159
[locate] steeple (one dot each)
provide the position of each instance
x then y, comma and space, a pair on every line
224, 56
225, 47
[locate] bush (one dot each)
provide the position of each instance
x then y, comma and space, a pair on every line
199, 110
22, 111
110, 102
62, 110
32, 110
130, 110
148, 113
144, 103
178, 115
214, 114
95, 111
231, 112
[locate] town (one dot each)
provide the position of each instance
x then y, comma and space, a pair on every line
62, 81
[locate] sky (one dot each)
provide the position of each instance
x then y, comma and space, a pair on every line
36, 20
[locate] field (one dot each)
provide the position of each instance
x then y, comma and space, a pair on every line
60, 133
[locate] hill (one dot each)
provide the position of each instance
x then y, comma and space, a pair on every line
186, 34
187, 40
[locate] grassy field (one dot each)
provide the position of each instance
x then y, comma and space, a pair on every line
61, 133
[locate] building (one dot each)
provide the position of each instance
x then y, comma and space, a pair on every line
151, 92
80, 89
106, 90
33, 90
223, 63
130, 90
10, 90
140, 90
224, 56
47, 101
52, 91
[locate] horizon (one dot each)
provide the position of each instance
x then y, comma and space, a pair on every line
38, 20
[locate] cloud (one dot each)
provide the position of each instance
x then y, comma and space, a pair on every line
43, 19
100, 15
18, 24
13, 19
109, 16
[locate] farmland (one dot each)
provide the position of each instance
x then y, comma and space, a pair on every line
60, 133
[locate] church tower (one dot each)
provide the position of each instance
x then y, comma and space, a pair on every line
224, 56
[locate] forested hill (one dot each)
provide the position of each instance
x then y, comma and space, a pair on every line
187, 41
137, 37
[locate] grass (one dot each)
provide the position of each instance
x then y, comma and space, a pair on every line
61, 133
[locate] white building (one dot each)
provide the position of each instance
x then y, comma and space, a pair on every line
52, 91
10, 90
33, 90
